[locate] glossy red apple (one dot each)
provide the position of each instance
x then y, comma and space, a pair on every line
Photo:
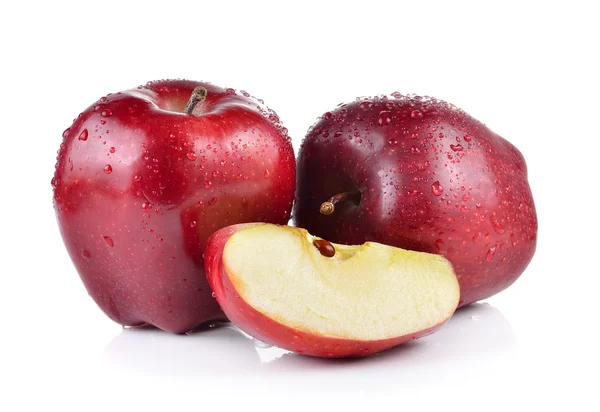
305, 294
145, 176
420, 174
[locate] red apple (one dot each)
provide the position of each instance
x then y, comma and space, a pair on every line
301, 293
145, 176
420, 174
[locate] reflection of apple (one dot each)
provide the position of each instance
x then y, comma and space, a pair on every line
301, 293
212, 352
420, 174
145, 176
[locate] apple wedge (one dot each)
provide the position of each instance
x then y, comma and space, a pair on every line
304, 294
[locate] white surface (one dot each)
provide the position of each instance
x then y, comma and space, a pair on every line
530, 71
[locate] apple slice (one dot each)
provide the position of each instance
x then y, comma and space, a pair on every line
304, 294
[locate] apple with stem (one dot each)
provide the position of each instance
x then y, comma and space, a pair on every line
305, 294
420, 174
145, 176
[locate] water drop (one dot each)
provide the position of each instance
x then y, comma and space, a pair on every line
389, 105
498, 228
490, 254
245, 93
328, 115
456, 147
191, 156
112, 149
392, 142
83, 135
366, 104
86, 254
266, 173
437, 188
66, 132
108, 169
137, 178
513, 241
208, 184
384, 118
106, 113
109, 241
467, 138
229, 90
212, 201
260, 344
146, 206
416, 114
193, 224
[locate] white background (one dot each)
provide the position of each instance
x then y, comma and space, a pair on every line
528, 70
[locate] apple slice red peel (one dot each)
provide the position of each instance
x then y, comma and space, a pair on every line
283, 286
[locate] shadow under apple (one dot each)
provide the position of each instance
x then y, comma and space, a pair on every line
214, 352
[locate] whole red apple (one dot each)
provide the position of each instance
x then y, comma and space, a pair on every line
145, 176
419, 173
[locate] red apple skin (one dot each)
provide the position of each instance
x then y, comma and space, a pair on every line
431, 179
275, 333
138, 190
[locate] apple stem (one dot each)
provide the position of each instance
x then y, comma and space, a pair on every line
328, 207
197, 96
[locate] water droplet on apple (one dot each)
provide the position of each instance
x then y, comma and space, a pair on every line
106, 113
437, 188
108, 169
191, 155
112, 149
366, 104
212, 201
260, 344
416, 114
467, 138
389, 105
137, 178
108, 240
245, 93
208, 184
66, 132
456, 147
490, 254
83, 135
213, 295
498, 228
146, 206
328, 115
384, 118
229, 90
392, 142
266, 174
513, 241
86, 254
193, 223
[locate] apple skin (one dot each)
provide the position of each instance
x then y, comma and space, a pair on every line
140, 186
431, 179
275, 333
